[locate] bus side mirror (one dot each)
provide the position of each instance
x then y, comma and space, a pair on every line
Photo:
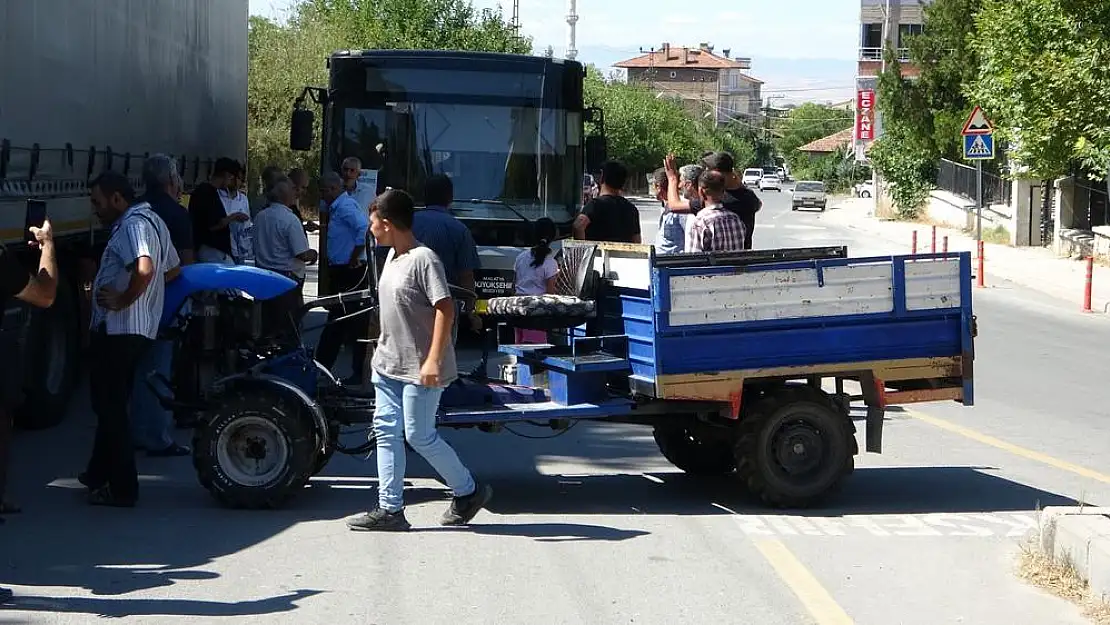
300, 129
597, 152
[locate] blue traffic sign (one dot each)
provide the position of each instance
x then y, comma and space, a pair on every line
979, 147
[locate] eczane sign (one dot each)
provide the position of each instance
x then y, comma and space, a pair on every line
865, 115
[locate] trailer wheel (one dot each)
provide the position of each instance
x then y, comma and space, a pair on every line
51, 362
795, 447
256, 451
696, 455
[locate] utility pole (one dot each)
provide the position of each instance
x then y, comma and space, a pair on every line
515, 23
888, 27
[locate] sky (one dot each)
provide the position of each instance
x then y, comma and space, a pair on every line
804, 50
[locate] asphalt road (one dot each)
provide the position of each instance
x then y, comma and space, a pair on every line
595, 527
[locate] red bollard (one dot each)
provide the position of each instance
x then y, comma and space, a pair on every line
944, 244
913, 245
934, 246
1088, 283
981, 278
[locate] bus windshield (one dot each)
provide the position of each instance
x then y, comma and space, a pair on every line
515, 155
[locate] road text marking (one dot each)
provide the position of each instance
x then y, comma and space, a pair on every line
817, 601
1029, 454
929, 525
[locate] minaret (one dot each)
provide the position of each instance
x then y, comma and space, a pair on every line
515, 23
572, 22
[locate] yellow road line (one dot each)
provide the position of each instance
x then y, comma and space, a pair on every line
1029, 454
817, 601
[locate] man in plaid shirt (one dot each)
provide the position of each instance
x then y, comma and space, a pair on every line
714, 229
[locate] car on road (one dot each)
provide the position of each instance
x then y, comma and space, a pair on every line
770, 182
809, 194
865, 189
752, 176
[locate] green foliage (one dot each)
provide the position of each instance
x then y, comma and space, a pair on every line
949, 63
838, 172
642, 128
1044, 80
284, 58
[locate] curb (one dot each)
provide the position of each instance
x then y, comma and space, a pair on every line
1079, 536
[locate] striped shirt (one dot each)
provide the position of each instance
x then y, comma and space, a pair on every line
715, 229
137, 233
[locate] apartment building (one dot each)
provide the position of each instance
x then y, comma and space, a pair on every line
710, 85
883, 23
895, 20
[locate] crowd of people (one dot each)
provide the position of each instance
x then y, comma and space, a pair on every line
705, 207
150, 237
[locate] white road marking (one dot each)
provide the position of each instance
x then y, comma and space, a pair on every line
928, 525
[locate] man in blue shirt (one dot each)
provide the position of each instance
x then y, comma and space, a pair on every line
448, 237
347, 271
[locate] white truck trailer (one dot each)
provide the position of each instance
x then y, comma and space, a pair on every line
91, 86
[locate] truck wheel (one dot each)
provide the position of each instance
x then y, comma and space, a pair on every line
256, 451
52, 362
795, 447
696, 455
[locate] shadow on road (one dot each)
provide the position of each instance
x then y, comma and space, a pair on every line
178, 531
116, 608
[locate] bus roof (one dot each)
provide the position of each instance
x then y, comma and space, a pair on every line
528, 59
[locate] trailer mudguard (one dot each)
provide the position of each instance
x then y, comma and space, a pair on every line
261, 284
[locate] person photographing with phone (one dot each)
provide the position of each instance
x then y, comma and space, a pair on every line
37, 288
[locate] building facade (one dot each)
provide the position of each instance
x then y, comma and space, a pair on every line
709, 85
883, 24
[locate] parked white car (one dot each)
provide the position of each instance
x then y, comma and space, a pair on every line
752, 176
865, 189
809, 194
770, 182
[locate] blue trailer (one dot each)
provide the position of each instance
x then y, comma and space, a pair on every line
739, 362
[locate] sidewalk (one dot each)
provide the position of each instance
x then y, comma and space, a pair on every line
1032, 267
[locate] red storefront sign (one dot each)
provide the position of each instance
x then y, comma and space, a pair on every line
865, 115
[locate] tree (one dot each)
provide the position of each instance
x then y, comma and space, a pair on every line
904, 154
286, 57
948, 62
643, 128
1045, 82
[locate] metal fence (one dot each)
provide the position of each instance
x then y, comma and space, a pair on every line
1094, 202
960, 179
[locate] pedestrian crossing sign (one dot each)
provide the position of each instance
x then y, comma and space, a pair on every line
978, 147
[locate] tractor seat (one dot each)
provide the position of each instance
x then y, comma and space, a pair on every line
573, 302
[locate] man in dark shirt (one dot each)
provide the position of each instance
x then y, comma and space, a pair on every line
610, 216
152, 424
211, 222
738, 198
37, 289
163, 188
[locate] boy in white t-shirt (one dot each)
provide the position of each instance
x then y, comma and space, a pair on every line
536, 272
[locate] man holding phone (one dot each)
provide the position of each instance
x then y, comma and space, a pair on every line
37, 289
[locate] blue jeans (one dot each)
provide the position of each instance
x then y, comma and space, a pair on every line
151, 424
408, 411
